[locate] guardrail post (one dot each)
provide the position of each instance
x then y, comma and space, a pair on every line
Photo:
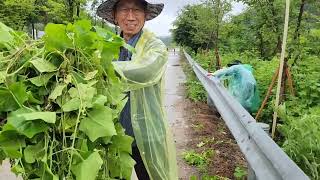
251, 174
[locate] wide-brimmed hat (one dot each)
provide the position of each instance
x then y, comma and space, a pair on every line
105, 10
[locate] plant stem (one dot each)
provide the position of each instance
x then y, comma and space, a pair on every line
76, 127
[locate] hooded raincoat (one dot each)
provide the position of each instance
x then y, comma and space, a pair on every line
242, 85
144, 75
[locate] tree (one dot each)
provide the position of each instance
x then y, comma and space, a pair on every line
97, 20
303, 37
185, 27
24, 14
194, 27
16, 14
219, 8
20, 14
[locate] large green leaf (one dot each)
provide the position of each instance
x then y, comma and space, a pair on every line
5, 35
120, 164
32, 99
18, 123
49, 117
34, 152
7, 102
71, 105
43, 65
77, 77
89, 168
104, 33
17, 92
119, 159
109, 52
11, 143
41, 80
122, 143
83, 37
84, 92
12, 153
82, 95
27, 128
57, 91
99, 100
90, 75
56, 38
99, 123
11, 139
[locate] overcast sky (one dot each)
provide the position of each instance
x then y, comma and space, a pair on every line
163, 23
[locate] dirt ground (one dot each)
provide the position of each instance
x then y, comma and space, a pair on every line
228, 155
201, 124
197, 127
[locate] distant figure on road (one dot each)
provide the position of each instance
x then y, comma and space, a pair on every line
174, 51
241, 84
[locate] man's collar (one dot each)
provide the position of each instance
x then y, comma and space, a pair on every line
133, 38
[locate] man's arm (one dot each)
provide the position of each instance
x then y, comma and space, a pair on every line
225, 72
145, 70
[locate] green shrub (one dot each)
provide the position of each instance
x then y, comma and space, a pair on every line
302, 141
200, 160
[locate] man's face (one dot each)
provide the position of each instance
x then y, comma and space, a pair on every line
130, 16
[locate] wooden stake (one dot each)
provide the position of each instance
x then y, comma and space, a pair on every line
210, 66
283, 82
274, 78
283, 52
290, 81
218, 60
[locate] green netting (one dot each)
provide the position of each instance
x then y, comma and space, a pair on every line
144, 75
242, 85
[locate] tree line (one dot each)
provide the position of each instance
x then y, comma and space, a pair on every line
28, 15
257, 29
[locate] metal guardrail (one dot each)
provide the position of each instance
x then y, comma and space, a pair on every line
266, 160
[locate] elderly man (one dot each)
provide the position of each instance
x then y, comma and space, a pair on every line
143, 116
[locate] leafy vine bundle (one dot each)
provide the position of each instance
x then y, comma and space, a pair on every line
60, 99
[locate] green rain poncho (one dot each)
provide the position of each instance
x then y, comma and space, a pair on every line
144, 75
242, 85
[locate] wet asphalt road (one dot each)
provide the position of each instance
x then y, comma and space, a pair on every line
174, 92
